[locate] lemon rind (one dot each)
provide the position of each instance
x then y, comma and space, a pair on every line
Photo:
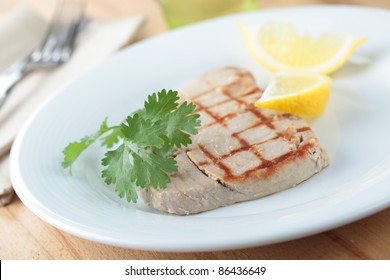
264, 59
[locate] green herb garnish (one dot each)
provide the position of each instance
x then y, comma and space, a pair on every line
146, 140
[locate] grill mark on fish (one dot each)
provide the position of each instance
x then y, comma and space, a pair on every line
263, 120
303, 129
235, 82
200, 107
252, 109
249, 107
214, 159
244, 145
269, 165
204, 173
221, 90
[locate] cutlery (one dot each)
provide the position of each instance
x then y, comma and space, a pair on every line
55, 49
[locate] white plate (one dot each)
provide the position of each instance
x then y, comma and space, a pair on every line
354, 129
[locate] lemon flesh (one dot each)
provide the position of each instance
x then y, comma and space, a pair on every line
278, 46
296, 93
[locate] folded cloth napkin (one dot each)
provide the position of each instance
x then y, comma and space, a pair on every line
20, 32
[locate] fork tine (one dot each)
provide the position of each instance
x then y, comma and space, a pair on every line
49, 41
58, 43
67, 45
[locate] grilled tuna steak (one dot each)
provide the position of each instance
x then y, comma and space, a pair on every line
241, 152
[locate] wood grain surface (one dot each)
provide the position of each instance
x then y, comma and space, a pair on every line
24, 236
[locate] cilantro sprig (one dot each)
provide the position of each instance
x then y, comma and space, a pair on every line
144, 142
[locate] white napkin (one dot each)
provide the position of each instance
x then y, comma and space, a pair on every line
20, 32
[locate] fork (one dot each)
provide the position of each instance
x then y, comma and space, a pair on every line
55, 49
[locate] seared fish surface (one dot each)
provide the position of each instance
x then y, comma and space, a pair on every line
241, 152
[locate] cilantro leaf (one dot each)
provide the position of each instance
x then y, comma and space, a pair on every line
129, 168
111, 139
74, 149
143, 132
118, 172
152, 170
161, 104
181, 123
146, 141
177, 122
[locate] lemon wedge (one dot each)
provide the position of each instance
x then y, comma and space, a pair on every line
278, 46
296, 93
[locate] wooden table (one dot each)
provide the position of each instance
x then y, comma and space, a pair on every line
24, 236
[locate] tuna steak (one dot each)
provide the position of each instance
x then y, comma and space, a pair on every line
241, 152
